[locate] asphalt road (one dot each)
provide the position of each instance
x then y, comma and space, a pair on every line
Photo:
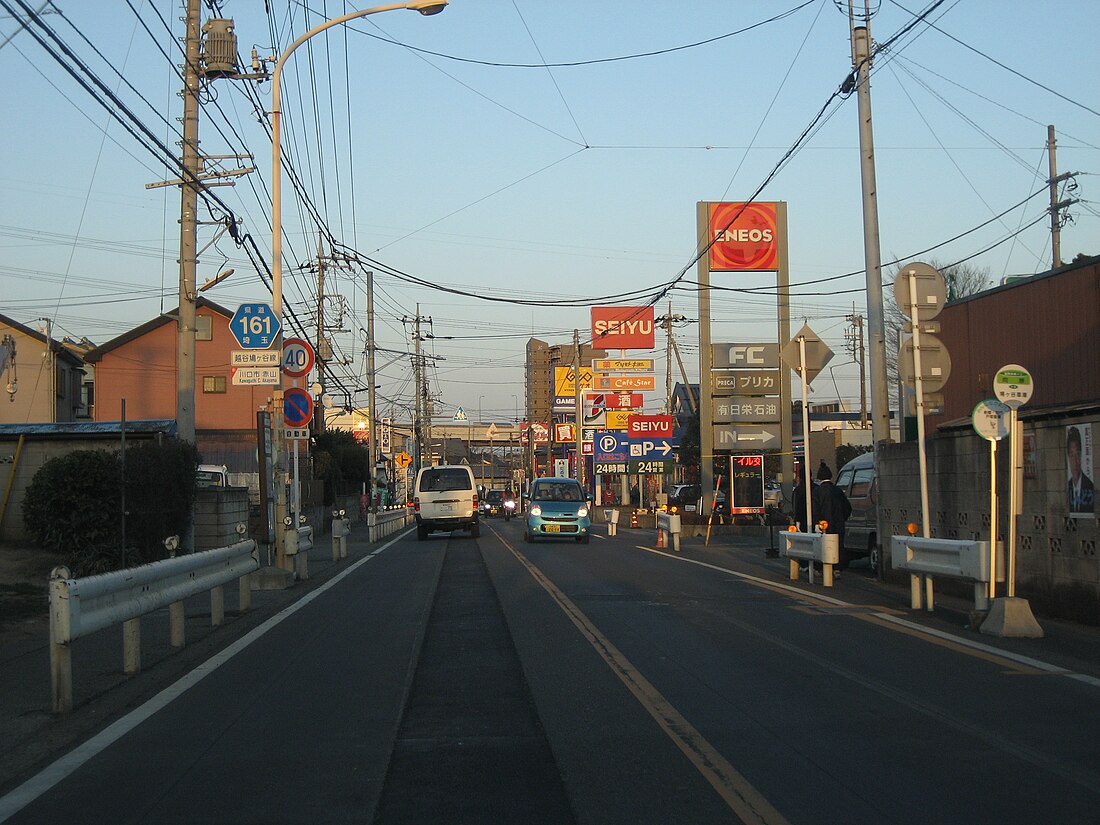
489, 680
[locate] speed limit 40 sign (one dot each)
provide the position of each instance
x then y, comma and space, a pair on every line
297, 357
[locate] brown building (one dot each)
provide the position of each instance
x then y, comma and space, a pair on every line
43, 379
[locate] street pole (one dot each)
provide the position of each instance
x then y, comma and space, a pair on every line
425, 7
189, 196
876, 327
578, 414
372, 438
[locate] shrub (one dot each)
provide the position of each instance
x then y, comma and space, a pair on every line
160, 495
72, 507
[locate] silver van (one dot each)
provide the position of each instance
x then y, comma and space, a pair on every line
445, 498
857, 480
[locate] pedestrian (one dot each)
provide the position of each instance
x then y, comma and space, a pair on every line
635, 495
798, 500
831, 505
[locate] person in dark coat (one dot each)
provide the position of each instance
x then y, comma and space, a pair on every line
831, 505
798, 500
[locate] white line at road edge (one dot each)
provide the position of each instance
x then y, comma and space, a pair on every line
886, 617
41, 782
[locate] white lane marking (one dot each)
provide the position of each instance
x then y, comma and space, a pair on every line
886, 617
14, 801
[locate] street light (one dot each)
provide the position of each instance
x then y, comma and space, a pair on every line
425, 7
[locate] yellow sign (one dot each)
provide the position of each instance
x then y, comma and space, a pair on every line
403, 459
565, 380
618, 419
623, 365
619, 383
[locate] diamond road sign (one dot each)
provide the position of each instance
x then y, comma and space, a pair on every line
818, 353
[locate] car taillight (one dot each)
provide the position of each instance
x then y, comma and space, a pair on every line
475, 501
416, 504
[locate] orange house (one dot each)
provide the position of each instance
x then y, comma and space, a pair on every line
140, 366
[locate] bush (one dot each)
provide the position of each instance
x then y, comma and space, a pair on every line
74, 504
72, 507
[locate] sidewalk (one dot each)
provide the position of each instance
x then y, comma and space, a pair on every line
32, 735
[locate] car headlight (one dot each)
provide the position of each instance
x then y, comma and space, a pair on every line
582, 512
535, 510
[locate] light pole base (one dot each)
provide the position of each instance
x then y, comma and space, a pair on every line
1010, 616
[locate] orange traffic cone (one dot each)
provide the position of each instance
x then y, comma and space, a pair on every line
661, 544
633, 518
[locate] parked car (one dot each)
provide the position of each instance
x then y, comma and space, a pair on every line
493, 503
445, 498
687, 497
557, 509
858, 481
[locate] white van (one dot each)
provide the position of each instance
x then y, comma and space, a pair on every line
445, 498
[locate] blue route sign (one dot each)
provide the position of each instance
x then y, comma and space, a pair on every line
255, 326
297, 407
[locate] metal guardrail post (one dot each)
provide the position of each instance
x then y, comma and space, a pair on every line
61, 653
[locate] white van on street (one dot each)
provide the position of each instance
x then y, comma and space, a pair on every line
445, 498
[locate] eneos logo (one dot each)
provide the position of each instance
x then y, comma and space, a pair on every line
745, 237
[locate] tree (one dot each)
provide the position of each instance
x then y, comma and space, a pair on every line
961, 279
342, 462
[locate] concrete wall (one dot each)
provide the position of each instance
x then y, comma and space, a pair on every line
1056, 559
218, 511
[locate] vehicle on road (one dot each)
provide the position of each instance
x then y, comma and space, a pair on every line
557, 509
211, 475
858, 481
688, 498
445, 498
493, 503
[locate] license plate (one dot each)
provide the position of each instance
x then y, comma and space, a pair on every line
444, 508
551, 528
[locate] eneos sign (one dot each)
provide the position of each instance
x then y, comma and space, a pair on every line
623, 328
745, 235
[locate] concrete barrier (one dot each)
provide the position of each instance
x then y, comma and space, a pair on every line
668, 524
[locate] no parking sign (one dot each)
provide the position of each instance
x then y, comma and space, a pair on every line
297, 407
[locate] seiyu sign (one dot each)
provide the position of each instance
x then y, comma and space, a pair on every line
744, 356
623, 327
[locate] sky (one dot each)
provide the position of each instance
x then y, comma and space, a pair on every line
506, 164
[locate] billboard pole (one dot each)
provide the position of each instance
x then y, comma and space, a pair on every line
706, 411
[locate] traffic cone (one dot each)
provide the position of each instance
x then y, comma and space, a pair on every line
661, 544
633, 518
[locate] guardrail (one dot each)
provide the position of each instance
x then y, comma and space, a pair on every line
951, 558
385, 523
79, 607
820, 548
611, 516
668, 524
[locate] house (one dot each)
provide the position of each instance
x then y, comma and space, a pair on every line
42, 378
140, 368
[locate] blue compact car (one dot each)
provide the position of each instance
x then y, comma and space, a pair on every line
557, 509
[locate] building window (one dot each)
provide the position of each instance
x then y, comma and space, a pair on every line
204, 329
213, 383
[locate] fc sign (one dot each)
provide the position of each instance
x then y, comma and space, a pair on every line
745, 356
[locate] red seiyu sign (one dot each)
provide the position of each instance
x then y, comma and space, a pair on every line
651, 426
623, 328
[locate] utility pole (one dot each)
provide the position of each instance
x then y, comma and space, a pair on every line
876, 327
854, 340
319, 416
1056, 206
372, 438
185, 342
578, 424
666, 321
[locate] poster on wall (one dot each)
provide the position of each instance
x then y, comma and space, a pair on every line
1080, 494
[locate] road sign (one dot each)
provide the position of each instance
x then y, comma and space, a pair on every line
990, 419
255, 376
402, 459
254, 358
298, 357
492, 431
745, 382
746, 437
296, 433
255, 326
460, 415
818, 353
297, 407
744, 356
736, 410
930, 288
1012, 384
935, 363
